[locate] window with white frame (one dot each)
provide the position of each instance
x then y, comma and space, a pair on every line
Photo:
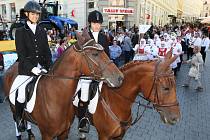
118, 3
13, 11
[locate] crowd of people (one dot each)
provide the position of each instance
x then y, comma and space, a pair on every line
126, 45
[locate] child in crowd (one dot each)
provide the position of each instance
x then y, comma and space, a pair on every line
195, 69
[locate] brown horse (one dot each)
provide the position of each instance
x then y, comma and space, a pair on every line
53, 108
156, 82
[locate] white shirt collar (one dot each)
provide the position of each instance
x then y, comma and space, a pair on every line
32, 26
95, 35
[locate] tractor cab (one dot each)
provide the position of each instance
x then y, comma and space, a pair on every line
49, 19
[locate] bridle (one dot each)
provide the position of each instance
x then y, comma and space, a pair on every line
157, 76
89, 60
155, 103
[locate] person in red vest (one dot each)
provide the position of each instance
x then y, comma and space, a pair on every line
162, 50
141, 51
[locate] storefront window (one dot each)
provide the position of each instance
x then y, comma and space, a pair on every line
4, 13
116, 21
91, 5
119, 3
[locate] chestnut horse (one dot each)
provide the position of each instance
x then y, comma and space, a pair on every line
53, 108
156, 82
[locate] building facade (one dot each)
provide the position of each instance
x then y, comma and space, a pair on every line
192, 10
206, 10
9, 9
117, 13
158, 12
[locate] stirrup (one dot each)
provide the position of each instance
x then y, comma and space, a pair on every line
86, 127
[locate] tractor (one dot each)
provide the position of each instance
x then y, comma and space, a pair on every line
49, 19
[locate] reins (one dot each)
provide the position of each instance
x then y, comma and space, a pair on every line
147, 106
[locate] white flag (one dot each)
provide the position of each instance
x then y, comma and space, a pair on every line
143, 28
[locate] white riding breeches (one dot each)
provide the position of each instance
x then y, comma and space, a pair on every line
85, 89
23, 80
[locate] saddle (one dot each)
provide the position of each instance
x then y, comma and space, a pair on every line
30, 88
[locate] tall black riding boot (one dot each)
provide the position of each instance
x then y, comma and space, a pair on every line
84, 123
18, 116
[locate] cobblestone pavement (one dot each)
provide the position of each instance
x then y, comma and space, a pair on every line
194, 124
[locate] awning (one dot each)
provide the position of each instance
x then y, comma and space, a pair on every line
206, 20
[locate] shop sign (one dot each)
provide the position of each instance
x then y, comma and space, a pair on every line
118, 10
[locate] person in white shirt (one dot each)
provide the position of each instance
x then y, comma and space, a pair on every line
204, 46
197, 40
153, 53
176, 50
157, 40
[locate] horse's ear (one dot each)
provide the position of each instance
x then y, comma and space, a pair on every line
167, 62
168, 58
171, 60
80, 39
85, 34
168, 54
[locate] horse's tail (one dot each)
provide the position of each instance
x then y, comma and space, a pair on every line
8, 78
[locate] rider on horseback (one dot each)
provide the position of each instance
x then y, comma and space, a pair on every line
95, 20
33, 52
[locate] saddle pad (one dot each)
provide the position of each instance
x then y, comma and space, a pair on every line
22, 81
93, 103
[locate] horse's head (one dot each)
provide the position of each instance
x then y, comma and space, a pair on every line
163, 90
95, 62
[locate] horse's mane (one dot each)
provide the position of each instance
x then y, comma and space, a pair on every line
81, 39
134, 63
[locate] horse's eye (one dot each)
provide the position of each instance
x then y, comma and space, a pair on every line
166, 88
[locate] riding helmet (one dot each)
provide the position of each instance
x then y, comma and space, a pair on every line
95, 16
32, 6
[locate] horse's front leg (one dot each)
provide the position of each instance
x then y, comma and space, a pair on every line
64, 135
103, 138
46, 137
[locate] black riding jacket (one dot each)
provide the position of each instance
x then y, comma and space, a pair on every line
32, 49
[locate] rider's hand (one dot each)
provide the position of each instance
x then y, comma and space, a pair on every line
36, 71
